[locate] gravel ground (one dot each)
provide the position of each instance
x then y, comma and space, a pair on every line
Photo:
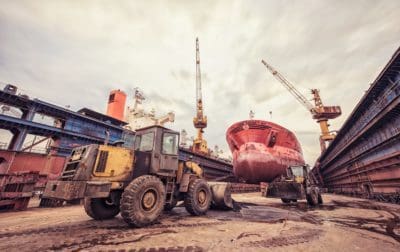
258, 224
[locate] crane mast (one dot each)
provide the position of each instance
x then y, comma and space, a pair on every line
198, 83
200, 121
319, 112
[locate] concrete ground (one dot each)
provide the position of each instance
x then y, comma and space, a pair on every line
259, 224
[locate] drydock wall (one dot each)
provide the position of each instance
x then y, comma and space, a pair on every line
364, 158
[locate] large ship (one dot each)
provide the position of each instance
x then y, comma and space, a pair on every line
262, 150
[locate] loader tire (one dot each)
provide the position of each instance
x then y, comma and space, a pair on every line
312, 198
100, 208
143, 201
286, 201
198, 198
170, 206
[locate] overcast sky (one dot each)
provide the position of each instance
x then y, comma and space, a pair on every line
74, 52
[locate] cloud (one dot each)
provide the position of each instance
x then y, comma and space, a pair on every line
75, 52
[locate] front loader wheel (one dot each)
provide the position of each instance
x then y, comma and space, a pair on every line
143, 201
320, 201
198, 197
100, 208
312, 198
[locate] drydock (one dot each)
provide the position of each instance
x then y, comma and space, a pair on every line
362, 160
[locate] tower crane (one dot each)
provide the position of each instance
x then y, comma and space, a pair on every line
319, 112
200, 120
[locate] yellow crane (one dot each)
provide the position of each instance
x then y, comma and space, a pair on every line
200, 120
319, 112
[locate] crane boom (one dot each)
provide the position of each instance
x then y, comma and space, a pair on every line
200, 121
301, 98
198, 74
319, 112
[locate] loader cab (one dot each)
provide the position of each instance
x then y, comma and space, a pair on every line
156, 151
297, 173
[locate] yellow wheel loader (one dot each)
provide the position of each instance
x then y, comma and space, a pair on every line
299, 183
139, 183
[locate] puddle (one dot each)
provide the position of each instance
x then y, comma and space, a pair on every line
277, 212
360, 204
260, 213
303, 206
306, 235
266, 214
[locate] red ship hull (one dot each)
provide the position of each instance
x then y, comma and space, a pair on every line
262, 150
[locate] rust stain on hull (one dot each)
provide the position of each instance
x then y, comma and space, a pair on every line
262, 150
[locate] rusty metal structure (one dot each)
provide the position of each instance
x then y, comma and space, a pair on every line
16, 189
22, 170
364, 158
69, 128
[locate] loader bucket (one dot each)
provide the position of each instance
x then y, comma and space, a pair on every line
221, 195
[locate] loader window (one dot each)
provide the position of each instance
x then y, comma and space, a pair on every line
137, 142
297, 171
145, 142
129, 139
170, 144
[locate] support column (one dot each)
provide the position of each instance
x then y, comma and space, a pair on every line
20, 134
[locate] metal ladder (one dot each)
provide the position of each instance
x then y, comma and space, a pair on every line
169, 188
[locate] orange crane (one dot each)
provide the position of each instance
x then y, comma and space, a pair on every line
200, 121
319, 112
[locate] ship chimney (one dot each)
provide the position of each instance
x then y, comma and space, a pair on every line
116, 104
